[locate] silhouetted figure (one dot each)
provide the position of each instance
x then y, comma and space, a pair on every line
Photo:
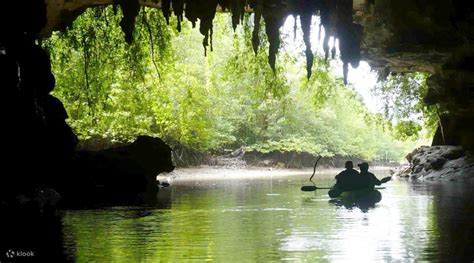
368, 179
346, 179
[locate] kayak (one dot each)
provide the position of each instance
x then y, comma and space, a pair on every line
361, 195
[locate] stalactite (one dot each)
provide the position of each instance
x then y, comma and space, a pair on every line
257, 8
274, 14
349, 44
295, 26
178, 9
328, 11
348, 34
237, 8
326, 46
333, 49
305, 9
165, 8
130, 10
205, 11
336, 18
191, 12
305, 19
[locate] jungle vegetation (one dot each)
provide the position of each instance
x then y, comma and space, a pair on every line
163, 85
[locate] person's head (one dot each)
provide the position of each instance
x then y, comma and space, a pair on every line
364, 167
349, 165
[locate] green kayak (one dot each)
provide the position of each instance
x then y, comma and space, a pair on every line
361, 195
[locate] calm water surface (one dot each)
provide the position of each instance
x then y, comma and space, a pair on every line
270, 219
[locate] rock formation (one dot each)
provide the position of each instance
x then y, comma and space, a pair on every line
121, 175
37, 140
439, 163
39, 145
428, 36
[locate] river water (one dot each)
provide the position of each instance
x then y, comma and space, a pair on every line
271, 219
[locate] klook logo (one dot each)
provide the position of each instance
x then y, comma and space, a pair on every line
11, 253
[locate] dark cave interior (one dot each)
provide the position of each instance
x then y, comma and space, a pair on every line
393, 36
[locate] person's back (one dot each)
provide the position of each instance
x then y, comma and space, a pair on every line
347, 179
366, 178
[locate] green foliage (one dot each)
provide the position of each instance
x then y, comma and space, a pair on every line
163, 85
407, 129
403, 102
101, 80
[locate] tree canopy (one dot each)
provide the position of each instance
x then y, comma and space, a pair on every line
163, 85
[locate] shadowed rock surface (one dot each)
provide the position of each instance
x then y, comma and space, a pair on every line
439, 163
43, 167
38, 143
121, 175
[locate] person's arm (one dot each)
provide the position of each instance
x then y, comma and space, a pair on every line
375, 180
385, 179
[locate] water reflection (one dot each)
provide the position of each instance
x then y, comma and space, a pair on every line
364, 206
262, 220
451, 220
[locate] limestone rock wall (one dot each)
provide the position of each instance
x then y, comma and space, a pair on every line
449, 163
451, 89
37, 141
429, 36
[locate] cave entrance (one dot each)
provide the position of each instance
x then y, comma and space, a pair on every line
164, 84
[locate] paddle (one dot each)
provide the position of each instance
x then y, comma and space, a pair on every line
310, 188
386, 179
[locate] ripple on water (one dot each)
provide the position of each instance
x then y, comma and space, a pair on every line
269, 220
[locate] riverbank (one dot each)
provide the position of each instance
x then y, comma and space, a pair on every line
205, 172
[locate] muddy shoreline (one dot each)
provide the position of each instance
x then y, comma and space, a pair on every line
205, 172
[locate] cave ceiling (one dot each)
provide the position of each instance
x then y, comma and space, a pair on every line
393, 36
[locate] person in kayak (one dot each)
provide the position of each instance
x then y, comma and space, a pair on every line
361, 182
346, 180
367, 180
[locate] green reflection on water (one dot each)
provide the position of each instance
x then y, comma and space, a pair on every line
256, 220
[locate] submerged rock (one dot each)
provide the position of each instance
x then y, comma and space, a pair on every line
439, 163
